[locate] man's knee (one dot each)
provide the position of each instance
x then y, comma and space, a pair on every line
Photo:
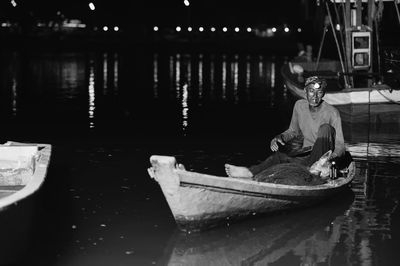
326, 130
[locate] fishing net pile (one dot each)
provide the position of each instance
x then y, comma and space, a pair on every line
289, 174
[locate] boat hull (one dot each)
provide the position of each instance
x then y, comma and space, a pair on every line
200, 201
24, 186
370, 95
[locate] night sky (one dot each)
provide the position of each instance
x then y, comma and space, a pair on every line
167, 12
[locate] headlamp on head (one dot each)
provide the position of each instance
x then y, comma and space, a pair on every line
315, 83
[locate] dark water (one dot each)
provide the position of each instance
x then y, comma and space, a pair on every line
107, 111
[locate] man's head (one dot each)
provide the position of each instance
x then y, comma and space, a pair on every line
315, 90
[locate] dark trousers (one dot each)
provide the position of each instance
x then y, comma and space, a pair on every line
325, 141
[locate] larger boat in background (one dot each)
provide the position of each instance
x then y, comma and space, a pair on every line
357, 77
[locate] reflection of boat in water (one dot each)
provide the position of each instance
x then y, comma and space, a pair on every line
199, 201
309, 234
357, 77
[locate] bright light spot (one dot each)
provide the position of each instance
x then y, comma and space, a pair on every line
224, 29
178, 28
212, 29
105, 28
186, 2
155, 28
201, 29
237, 29
91, 6
337, 26
248, 29
116, 28
299, 30
286, 29
190, 29
273, 29
14, 4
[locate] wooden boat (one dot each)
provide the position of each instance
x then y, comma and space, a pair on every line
23, 168
199, 201
357, 77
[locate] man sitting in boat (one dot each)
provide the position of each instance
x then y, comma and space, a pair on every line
316, 121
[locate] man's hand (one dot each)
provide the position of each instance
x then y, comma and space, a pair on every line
274, 143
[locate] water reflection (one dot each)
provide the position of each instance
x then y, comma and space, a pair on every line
219, 77
235, 72
155, 76
200, 76
224, 74
105, 73
91, 93
310, 234
14, 95
116, 69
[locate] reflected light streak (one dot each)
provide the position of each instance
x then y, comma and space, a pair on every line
200, 76
185, 108
212, 74
224, 77
260, 67
248, 78
171, 73
91, 93
14, 96
105, 72
155, 75
235, 72
272, 75
116, 72
189, 72
178, 76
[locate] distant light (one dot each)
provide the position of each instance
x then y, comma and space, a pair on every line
201, 29
155, 28
116, 28
186, 2
273, 29
178, 28
337, 26
190, 29
105, 28
212, 29
286, 29
237, 29
224, 29
91, 6
298, 29
14, 4
248, 29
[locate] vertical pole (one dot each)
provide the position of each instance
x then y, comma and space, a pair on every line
347, 19
370, 26
359, 13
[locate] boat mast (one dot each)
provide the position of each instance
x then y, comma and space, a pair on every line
347, 27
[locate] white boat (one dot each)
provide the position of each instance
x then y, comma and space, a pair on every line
23, 169
357, 77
